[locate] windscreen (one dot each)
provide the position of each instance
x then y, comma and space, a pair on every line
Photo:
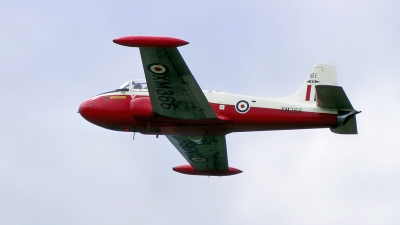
137, 84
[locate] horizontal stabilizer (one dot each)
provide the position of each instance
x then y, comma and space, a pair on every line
350, 127
332, 97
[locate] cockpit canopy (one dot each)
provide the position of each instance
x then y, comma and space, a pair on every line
137, 84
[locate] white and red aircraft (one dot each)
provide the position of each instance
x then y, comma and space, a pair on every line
170, 102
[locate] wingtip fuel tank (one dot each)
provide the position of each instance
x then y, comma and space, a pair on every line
188, 169
149, 41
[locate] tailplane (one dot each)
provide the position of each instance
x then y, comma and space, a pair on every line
334, 97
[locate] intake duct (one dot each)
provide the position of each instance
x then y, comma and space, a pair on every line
141, 108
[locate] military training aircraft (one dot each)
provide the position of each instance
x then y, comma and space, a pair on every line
170, 102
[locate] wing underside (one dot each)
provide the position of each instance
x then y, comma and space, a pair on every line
172, 88
205, 153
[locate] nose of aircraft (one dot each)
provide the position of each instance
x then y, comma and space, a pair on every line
84, 109
89, 110
93, 111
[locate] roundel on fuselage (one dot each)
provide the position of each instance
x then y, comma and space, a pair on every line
242, 106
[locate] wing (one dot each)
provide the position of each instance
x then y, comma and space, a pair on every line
175, 93
173, 90
204, 153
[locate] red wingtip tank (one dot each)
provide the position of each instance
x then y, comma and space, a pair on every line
149, 41
188, 169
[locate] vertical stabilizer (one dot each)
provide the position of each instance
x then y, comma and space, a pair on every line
321, 74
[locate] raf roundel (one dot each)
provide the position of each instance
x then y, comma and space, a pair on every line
242, 106
157, 69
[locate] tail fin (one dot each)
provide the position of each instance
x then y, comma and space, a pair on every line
321, 88
324, 74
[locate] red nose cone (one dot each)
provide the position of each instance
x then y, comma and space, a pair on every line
84, 109
91, 112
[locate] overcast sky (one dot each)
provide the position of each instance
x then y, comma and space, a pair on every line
57, 168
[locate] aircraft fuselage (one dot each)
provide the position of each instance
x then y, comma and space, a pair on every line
131, 111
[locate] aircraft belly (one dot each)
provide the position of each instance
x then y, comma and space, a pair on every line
271, 120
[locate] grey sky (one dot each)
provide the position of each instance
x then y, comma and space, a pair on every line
56, 168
